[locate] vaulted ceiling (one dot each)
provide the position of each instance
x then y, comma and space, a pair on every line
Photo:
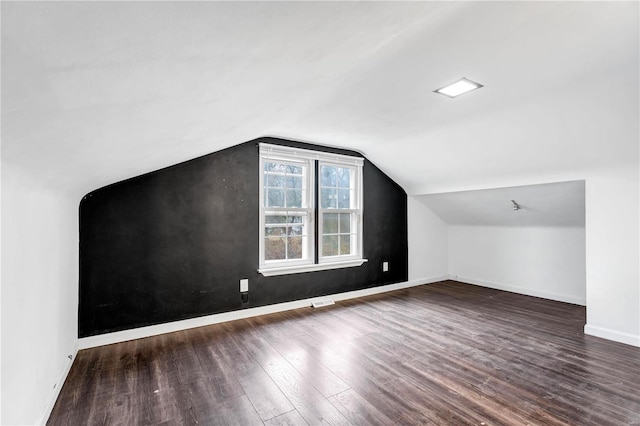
96, 92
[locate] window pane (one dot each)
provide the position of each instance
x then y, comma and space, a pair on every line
344, 177
275, 230
345, 244
328, 198
294, 219
294, 248
275, 181
294, 182
275, 219
345, 223
270, 166
294, 198
275, 198
327, 176
274, 248
344, 199
330, 223
295, 170
330, 245
294, 230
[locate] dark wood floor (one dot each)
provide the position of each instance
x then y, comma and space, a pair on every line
440, 354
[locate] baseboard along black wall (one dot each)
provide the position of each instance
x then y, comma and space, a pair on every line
173, 244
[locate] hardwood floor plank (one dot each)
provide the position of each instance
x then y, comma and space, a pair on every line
217, 364
263, 393
358, 410
234, 412
445, 353
316, 373
310, 403
292, 418
313, 407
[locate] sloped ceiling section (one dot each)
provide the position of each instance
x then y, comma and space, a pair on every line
96, 92
555, 204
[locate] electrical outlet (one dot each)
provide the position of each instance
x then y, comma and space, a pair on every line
385, 266
244, 285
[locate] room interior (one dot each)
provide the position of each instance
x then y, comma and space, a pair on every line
95, 95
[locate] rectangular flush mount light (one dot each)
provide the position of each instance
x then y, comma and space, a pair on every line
458, 88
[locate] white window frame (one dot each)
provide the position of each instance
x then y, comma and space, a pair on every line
308, 209
355, 209
285, 154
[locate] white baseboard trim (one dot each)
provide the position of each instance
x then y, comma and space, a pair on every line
520, 290
616, 336
46, 412
154, 330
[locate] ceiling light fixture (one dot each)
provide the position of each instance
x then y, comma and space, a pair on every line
458, 88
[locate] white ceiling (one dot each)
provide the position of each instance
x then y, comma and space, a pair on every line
96, 92
552, 204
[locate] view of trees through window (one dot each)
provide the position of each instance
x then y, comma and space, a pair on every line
310, 207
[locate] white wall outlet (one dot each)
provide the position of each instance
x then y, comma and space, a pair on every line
244, 285
385, 266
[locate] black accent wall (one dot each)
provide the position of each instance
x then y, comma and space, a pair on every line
173, 244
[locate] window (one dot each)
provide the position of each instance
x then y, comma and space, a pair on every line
339, 211
310, 210
287, 211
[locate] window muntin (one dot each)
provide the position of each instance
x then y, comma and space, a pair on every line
288, 239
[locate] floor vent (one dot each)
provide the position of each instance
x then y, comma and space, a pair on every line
321, 303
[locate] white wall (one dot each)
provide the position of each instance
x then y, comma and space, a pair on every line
612, 248
39, 295
428, 242
545, 262
613, 254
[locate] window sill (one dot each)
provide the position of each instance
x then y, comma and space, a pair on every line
285, 270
